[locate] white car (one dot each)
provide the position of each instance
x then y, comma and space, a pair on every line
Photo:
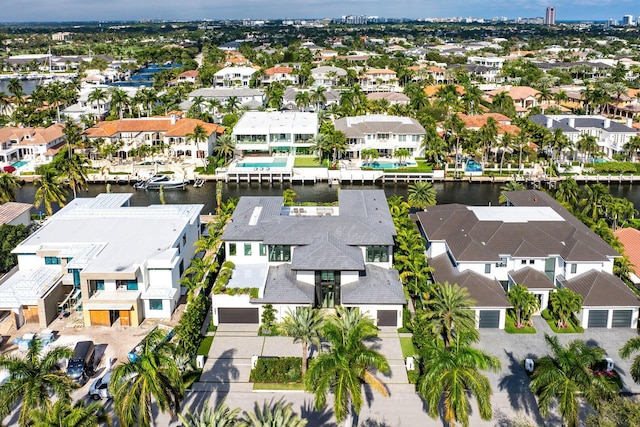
100, 388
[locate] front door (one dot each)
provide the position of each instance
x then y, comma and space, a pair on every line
327, 288
125, 318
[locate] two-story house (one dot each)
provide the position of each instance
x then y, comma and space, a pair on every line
284, 75
234, 76
321, 256
327, 76
119, 263
30, 143
533, 242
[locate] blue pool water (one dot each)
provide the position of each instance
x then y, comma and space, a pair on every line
276, 163
19, 164
388, 165
473, 166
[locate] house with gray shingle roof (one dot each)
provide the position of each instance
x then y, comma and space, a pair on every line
321, 256
534, 242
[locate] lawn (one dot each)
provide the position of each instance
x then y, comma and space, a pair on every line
408, 349
572, 327
205, 345
306, 162
278, 386
510, 326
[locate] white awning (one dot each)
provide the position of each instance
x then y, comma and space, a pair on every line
107, 306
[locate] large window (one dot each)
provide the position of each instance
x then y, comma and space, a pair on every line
155, 304
263, 249
377, 253
279, 253
574, 268
52, 260
247, 249
97, 285
130, 285
327, 288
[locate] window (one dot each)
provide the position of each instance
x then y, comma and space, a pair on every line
51, 260
487, 268
377, 253
263, 249
574, 268
97, 285
502, 262
280, 253
247, 249
232, 248
532, 261
184, 239
181, 268
523, 261
130, 285
155, 304
402, 138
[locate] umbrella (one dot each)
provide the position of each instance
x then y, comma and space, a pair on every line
9, 169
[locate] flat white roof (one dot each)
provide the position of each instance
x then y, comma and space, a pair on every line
515, 213
263, 122
27, 287
249, 276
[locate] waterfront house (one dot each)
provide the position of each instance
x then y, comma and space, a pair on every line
327, 76
36, 144
321, 256
243, 96
120, 264
234, 76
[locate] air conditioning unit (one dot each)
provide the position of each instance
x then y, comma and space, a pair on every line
528, 365
200, 361
610, 364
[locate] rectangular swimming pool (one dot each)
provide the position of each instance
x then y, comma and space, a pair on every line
19, 164
276, 163
388, 165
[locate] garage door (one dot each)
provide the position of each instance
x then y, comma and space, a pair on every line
238, 315
598, 318
100, 317
388, 318
489, 319
621, 319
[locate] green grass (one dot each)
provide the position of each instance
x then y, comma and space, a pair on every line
278, 386
306, 162
118, 173
205, 346
510, 328
407, 347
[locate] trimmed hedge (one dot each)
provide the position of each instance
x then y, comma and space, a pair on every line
277, 370
614, 167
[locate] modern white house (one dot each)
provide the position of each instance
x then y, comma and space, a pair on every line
243, 96
117, 263
327, 76
234, 76
384, 133
320, 256
533, 242
261, 132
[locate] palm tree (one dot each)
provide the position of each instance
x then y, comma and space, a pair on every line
369, 155
449, 314
198, 135
320, 146
421, 194
8, 186
346, 364
595, 199
632, 147
98, 96
302, 100
74, 168
64, 414
630, 347
402, 154
507, 187
318, 97
523, 302
232, 104
454, 128
488, 136
503, 103
272, 415
563, 303
337, 144
451, 375
34, 380
566, 374
119, 100
225, 146
221, 416
153, 377
15, 88
435, 148
49, 190
588, 144
304, 324
568, 192
414, 270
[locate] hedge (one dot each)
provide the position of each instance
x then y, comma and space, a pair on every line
614, 167
277, 370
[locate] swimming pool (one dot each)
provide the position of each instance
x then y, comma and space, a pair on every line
473, 166
19, 164
388, 165
275, 163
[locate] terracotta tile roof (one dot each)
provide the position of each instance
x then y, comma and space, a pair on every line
516, 92
432, 90
379, 71
182, 127
36, 135
55, 149
190, 73
477, 121
278, 70
630, 239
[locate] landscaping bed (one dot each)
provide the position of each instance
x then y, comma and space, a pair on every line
511, 328
572, 326
278, 370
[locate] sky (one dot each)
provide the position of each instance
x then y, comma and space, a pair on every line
114, 10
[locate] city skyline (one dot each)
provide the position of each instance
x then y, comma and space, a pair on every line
93, 10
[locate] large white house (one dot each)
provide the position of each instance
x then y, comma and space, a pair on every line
30, 143
275, 132
234, 76
384, 133
321, 256
534, 242
122, 264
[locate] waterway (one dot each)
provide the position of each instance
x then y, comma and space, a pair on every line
447, 192
28, 86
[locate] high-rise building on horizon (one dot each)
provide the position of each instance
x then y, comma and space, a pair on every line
550, 16
627, 20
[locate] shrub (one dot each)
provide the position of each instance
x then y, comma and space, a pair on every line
614, 167
229, 265
277, 370
188, 330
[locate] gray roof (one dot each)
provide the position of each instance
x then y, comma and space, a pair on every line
359, 126
327, 253
486, 292
599, 123
600, 289
531, 278
472, 239
282, 287
225, 93
378, 286
541, 120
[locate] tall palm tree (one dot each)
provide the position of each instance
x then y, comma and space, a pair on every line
588, 144
320, 146
368, 155
272, 414
594, 201
220, 416
568, 192
451, 375
153, 377
566, 374
8, 186
99, 96
488, 137
15, 88
119, 100
346, 364
524, 303
49, 190
630, 347
225, 146
34, 380
421, 194
632, 147
198, 135
449, 314
318, 97
337, 144
67, 415
563, 303
305, 326
302, 99
454, 129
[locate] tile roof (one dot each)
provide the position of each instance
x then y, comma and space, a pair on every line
431, 91
630, 239
327, 253
531, 278
516, 92
181, 127
278, 70
11, 210
36, 135
359, 126
282, 287
600, 289
379, 71
378, 286
190, 73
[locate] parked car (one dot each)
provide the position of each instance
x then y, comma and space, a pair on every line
100, 387
80, 365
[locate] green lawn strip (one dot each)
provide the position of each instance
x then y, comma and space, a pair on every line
278, 386
408, 350
510, 327
306, 162
205, 345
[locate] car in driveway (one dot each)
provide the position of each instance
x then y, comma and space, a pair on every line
100, 388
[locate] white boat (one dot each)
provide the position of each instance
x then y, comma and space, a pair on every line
164, 181
199, 182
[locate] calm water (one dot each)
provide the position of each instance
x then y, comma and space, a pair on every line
28, 86
449, 192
